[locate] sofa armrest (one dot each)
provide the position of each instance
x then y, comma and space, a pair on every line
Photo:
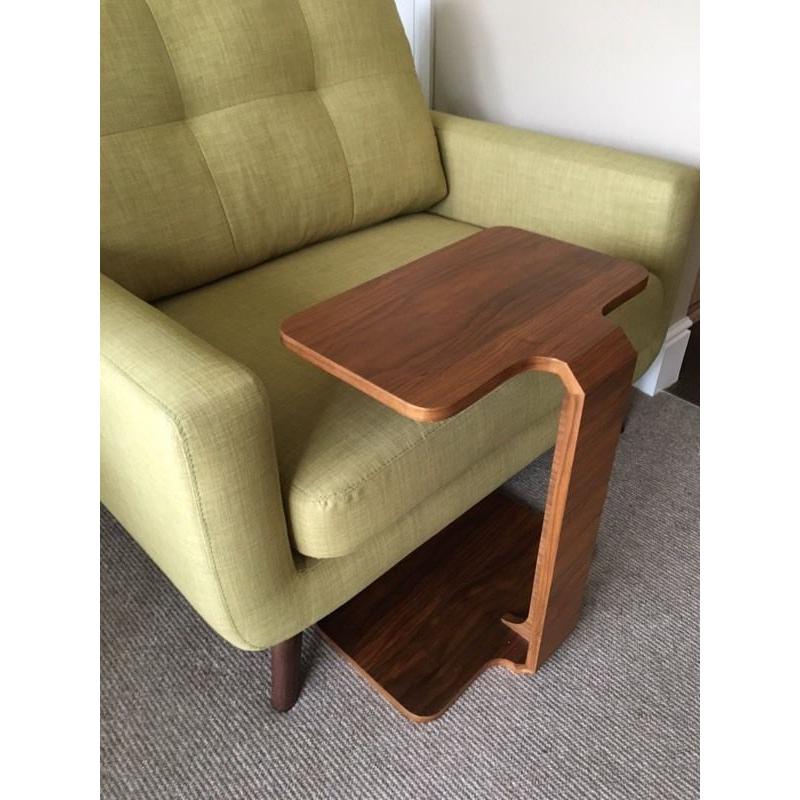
188, 466
626, 205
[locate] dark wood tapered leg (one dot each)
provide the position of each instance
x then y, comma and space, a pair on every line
286, 673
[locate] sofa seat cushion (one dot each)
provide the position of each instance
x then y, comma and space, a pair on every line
349, 466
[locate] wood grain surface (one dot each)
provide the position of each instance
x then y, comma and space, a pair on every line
427, 340
432, 337
423, 631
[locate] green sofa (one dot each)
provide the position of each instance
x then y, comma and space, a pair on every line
257, 157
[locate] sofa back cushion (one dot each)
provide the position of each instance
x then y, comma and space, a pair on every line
237, 130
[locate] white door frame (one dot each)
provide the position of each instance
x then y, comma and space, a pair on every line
417, 18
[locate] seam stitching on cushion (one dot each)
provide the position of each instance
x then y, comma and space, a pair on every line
214, 183
186, 452
328, 113
194, 135
348, 490
426, 499
169, 55
258, 100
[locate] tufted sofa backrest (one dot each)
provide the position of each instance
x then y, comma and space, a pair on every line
237, 130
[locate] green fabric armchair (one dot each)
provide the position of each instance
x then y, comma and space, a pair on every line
257, 158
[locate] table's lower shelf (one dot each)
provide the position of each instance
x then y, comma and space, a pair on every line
427, 628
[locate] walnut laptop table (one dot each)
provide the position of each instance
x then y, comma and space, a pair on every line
503, 584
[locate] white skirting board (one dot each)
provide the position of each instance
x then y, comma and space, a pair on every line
665, 369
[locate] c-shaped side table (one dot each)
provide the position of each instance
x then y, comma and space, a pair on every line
427, 340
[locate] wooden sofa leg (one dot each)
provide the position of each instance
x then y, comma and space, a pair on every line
286, 673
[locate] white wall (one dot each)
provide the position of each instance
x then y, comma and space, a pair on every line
623, 73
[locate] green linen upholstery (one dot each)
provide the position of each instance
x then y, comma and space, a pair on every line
196, 459
349, 466
626, 205
187, 461
233, 132
256, 158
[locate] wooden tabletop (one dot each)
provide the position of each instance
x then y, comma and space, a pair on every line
432, 337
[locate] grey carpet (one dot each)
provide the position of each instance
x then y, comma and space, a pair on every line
613, 714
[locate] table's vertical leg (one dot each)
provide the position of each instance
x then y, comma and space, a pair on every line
596, 395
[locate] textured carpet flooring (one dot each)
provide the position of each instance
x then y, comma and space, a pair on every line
613, 714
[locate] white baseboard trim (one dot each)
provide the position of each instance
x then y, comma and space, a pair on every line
665, 369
